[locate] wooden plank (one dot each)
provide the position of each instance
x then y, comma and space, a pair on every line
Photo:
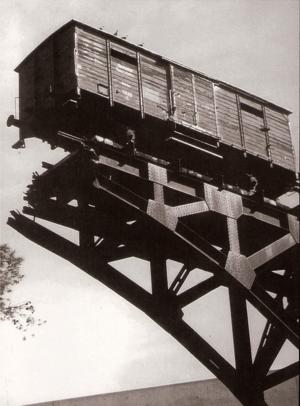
123, 49
280, 139
84, 46
109, 73
155, 83
251, 103
154, 73
99, 69
276, 115
92, 57
89, 35
140, 85
155, 92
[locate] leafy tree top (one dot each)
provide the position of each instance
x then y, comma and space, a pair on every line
19, 314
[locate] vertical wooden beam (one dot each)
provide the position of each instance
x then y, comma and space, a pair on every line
109, 73
266, 132
140, 84
238, 104
172, 91
195, 100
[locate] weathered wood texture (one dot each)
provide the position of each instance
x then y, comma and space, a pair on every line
227, 117
154, 84
280, 139
78, 58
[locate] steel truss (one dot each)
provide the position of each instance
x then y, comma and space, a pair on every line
133, 206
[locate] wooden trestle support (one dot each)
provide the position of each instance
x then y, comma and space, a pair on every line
149, 210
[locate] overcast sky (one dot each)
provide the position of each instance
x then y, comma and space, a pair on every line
95, 342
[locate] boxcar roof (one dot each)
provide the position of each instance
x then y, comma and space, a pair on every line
157, 56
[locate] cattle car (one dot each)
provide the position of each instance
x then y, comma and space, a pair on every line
81, 82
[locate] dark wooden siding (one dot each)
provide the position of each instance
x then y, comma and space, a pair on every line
155, 88
27, 103
91, 62
124, 76
64, 63
227, 116
280, 139
205, 107
183, 96
77, 57
253, 124
44, 76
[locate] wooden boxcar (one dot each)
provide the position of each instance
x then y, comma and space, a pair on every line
84, 81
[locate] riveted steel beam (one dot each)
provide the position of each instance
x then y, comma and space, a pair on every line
223, 202
239, 267
294, 227
266, 254
233, 234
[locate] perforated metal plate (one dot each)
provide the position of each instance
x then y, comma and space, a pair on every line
158, 193
162, 213
238, 266
294, 227
157, 174
189, 209
223, 202
233, 235
271, 251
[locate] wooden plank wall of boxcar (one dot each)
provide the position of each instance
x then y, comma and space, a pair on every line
227, 117
205, 105
193, 100
253, 124
91, 62
124, 71
155, 88
280, 139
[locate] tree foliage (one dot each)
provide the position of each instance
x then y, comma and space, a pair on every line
21, 315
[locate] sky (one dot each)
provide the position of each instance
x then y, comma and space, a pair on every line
93, 341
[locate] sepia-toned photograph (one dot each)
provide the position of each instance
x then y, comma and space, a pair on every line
149, 237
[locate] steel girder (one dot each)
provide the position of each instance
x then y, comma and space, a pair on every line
148, 210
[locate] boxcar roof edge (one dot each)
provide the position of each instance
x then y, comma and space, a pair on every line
145, 51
